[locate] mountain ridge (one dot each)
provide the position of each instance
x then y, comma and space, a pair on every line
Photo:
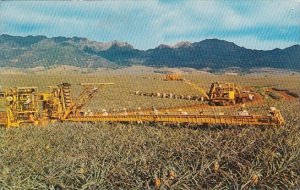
30, 51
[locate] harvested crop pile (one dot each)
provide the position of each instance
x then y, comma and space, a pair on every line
119, 156
293, 94
274, 95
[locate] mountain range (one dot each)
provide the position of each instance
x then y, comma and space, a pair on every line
215, 54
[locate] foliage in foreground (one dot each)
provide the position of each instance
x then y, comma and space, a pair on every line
113, 156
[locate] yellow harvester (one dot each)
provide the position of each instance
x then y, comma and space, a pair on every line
26, 105
221, 94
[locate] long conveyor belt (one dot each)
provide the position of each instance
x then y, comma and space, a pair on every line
192, 119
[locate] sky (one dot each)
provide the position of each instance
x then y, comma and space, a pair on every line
255, 24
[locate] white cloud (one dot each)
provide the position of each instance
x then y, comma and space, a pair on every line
146, 24
252, 42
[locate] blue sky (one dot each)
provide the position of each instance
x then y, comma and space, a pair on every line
256, 24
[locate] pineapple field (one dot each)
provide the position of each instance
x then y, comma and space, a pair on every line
155, 156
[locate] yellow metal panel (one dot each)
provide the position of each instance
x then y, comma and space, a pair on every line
231, 95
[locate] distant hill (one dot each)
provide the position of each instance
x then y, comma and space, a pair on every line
26, 52
33, 51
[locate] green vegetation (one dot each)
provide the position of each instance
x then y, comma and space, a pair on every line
131, 156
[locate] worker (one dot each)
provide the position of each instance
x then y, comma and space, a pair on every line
201, 112
114, 111
28, 100
139, 112
251, 97
26, 104
184, 113
243, 113
155, 111
104, 112
125, 111
90, 113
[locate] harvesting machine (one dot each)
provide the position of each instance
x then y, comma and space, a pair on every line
219, 94
174, 77
27, 105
